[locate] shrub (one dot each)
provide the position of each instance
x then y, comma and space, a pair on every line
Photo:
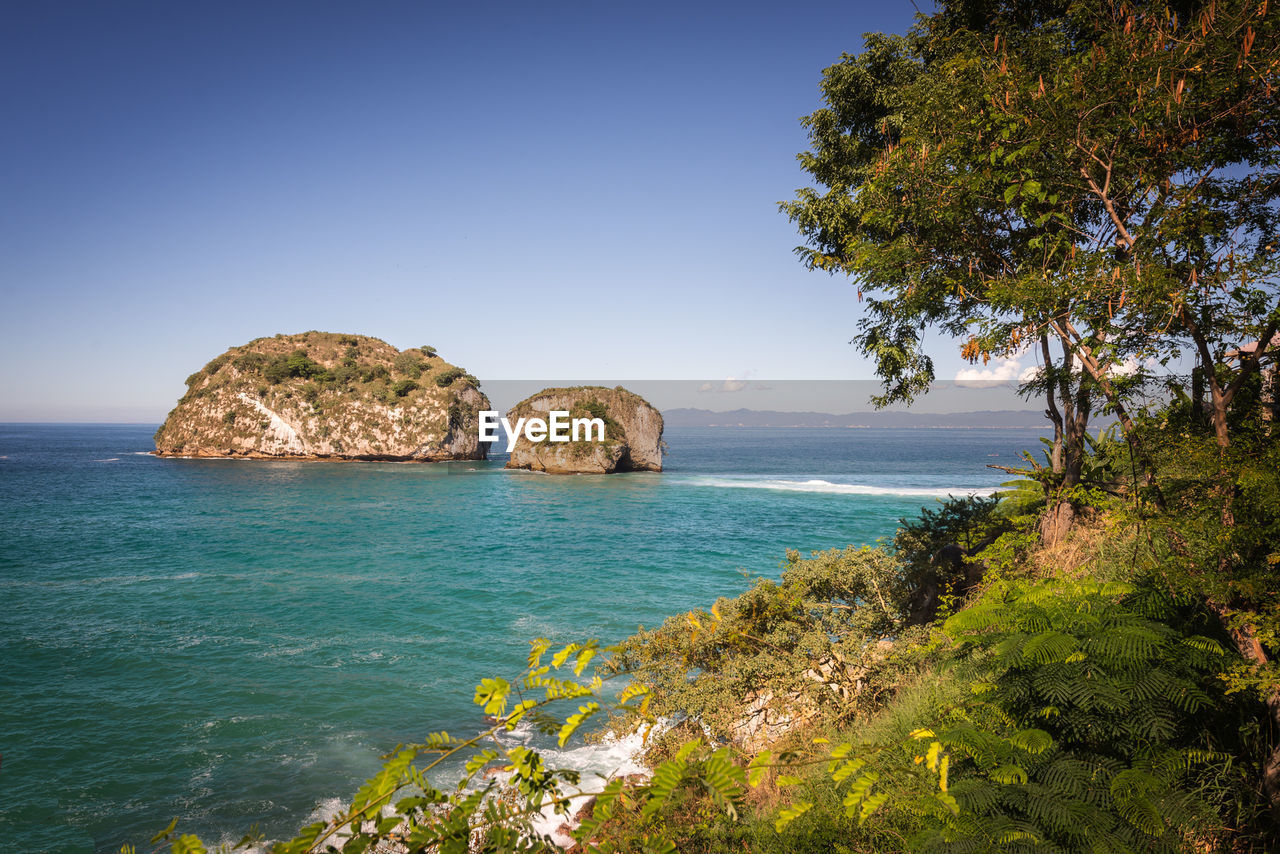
403, 387
1092, 725
593, 408
345, 374
829, 610
407, 363
938, 551
446, 378
296, 364
251, 361
216, 363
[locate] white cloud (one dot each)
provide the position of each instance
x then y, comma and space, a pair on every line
1006, 371
730, 384
1010, 370
1131, 366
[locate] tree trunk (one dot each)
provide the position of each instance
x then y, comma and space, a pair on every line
1077, 426
1072, 423
1057, 521
1219, 402
1052, 412
1071, 340
1197, 394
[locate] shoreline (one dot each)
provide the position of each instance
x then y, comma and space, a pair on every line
314, 458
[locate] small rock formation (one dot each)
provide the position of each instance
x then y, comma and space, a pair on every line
633, 432
323, 395
766, 716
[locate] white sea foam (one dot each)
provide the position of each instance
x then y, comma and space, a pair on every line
612, 756
326, 811
826, 486
597, 763
108, 460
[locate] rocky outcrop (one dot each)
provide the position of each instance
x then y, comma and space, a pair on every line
633, 432
322, 395
767, 716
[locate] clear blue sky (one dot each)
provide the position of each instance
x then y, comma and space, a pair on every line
537, 189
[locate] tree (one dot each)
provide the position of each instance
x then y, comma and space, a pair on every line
1099, 177
1094, 177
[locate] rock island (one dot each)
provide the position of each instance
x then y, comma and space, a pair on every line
324, 395
632, 440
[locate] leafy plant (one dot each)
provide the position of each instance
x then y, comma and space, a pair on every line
403, 387
446, 377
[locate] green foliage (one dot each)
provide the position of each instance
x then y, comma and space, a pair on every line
403, 387
1091, 725
296, 364
970, 522
1020, 497
826, 618
251, 362
1066, 716
215, 364
1214, 540
345, 375
448, 376
593, 408
1093, 175
938, 551
408, 363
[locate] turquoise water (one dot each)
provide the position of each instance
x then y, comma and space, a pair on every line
237, 642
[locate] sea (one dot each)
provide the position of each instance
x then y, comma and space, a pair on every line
236, 643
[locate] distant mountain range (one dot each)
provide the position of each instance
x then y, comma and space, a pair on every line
685, 417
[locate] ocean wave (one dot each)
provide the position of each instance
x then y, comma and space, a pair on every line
826, 486
611, 756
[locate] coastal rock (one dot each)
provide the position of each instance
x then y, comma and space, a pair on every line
323, 395
767, 716
633, 432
